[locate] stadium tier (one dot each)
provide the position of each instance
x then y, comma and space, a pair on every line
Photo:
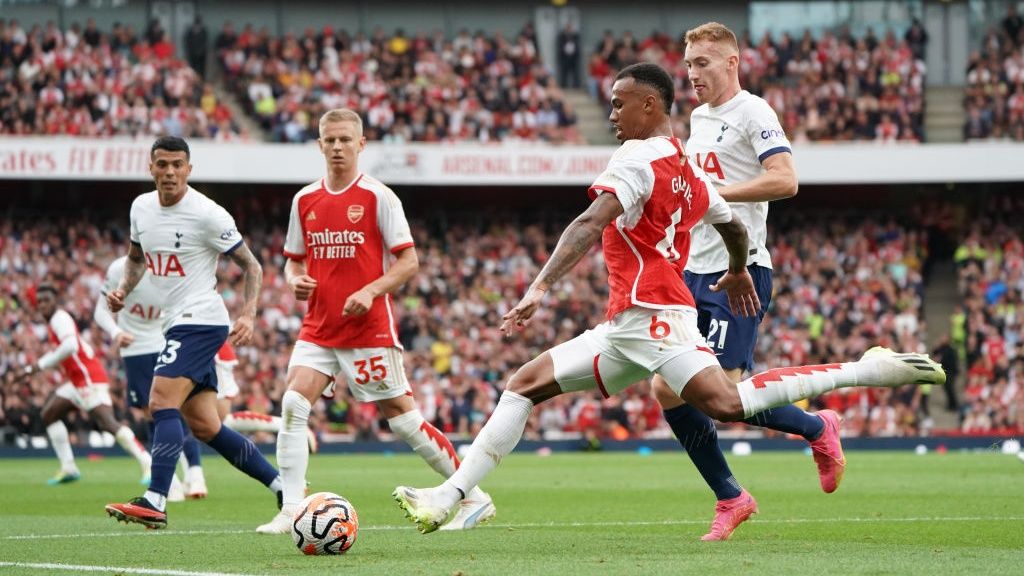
833, 87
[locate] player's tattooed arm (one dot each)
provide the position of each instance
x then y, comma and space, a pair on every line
242, 330
579, 237
134, 268
253, 276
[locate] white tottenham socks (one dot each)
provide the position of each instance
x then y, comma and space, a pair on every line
781, 386
498, 437
252, 422
292, 447
58, 434
127, 440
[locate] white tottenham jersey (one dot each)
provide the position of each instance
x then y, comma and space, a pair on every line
140, 316
182, 244
729, 143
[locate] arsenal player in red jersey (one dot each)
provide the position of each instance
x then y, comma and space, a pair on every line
343, 231
644, 205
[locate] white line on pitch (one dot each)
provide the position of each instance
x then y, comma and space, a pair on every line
115, 569
879, 520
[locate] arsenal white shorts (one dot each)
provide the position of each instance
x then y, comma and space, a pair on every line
632, 346
87, 397
372, 374
227, 386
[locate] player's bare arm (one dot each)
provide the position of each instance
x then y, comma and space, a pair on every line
779, 181
242, 330
406, 264
577, 240
737, 283
301, 283
134, 270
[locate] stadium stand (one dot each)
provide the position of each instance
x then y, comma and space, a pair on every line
88, 82
988, 329
833, 87
412, 88
994, 95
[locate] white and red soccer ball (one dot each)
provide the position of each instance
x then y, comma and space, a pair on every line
325, 524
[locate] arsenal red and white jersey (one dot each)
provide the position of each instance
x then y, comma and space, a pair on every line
346, 238
662, 198
82, 366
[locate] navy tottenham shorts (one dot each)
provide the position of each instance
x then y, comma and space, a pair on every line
731, 337
138, 370
189, 351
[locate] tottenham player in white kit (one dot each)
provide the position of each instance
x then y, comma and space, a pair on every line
737, 140
178, 235
645, 204
137, 335
87, 389
342, 232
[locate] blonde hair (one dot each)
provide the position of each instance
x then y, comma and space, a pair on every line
713, 32
341, 115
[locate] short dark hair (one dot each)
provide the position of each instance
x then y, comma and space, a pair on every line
654, 76
46, 287
171, 144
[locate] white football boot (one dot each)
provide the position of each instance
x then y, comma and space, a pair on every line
474, 510
898, 369
427, 507
281, 523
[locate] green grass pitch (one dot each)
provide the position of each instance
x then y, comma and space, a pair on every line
606, 513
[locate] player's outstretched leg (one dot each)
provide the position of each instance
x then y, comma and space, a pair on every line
429, 508
244, 455
435, 448
149, 510
879, 367
57, 432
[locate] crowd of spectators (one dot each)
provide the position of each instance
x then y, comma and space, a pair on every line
994, 96
840, 289
987, 331
87, 82
420, 87
834, 87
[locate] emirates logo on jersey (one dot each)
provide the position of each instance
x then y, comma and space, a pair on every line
355, 213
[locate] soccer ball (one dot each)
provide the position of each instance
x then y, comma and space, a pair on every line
325, 524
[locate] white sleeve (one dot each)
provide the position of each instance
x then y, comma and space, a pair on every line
221, 233
64, 327
104, 318
394, 227
630, 179
294, 240
764, 132
133, 224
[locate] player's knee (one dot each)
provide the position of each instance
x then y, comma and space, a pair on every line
204, 430
722, 407
532, 384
